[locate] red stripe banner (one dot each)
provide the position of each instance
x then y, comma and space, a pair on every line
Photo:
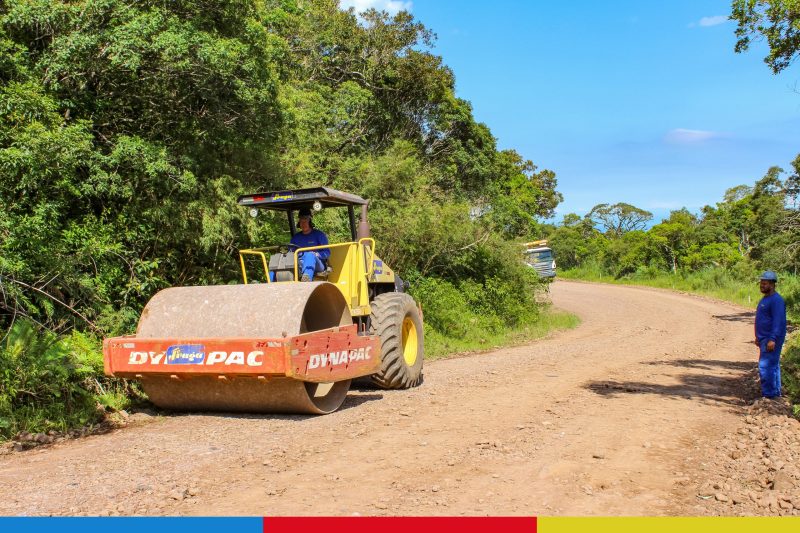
408, 524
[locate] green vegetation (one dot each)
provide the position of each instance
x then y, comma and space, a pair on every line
790, 371
470, 316
128, 129
719, 251
714, 282
48, 382
438, 345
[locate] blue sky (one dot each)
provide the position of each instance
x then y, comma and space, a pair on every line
627, 101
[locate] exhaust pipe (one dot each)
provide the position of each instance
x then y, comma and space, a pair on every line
363, 224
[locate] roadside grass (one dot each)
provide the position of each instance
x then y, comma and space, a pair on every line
716, 283
466, 316
790, 372
440, 346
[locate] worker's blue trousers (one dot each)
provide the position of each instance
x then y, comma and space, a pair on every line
769, 368
310, 263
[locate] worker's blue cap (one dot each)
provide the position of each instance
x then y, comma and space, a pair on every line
769, 275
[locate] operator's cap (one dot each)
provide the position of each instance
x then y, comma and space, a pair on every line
769, 275
304, 212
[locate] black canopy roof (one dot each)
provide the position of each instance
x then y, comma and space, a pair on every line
294, 199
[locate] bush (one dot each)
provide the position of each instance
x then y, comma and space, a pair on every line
47, 382
790, 372
789, 287
471, 314
445, 308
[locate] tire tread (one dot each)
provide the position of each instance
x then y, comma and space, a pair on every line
388, 312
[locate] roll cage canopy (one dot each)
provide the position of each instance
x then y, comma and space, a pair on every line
298, 198
290, 200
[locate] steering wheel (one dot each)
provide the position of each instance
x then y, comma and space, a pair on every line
286, 247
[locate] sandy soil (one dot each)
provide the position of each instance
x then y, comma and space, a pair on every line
624, 415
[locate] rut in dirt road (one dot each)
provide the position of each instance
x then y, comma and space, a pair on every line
601, 420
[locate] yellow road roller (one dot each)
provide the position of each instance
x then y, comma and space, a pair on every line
276, 343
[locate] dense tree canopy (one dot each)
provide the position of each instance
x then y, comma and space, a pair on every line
752, 227
128, 128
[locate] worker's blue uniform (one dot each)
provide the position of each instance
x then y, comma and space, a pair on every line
770, 326
315, 260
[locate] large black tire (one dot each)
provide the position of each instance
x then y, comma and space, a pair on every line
397, 321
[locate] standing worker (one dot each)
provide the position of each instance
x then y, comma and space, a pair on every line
770, 331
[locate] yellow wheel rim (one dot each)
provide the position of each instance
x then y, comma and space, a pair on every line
410, 347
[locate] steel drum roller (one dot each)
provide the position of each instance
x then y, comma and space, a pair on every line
263, 310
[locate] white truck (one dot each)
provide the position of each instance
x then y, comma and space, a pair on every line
539, 256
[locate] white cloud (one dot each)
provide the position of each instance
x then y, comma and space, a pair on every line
390, 6
705, 22
684, 136
713, 21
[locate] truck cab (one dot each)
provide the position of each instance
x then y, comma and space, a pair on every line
539, 256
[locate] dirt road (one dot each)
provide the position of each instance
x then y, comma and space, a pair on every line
614, 417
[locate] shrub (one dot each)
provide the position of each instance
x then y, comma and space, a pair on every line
47, 382
472, 314
790, 372
444, 306
789, 287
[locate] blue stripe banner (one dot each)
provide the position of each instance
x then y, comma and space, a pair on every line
131, 525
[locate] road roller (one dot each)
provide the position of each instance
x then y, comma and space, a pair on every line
274, 343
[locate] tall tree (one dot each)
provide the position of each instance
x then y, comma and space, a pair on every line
675, 236
619, 218
791, 224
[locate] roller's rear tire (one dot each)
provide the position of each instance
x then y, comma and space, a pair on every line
398, 322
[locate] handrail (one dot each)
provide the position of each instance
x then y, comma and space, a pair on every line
369, 265
319, 247
258, 252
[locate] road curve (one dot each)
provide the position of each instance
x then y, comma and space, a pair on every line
599, 420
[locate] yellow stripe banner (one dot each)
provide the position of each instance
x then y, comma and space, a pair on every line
787, 524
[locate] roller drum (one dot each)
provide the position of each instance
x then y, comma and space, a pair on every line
245, 395
254, 311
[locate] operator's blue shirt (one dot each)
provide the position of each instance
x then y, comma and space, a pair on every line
314, 238
771, 318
